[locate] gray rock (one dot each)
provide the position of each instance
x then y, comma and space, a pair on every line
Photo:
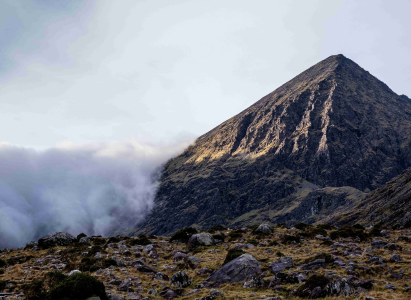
145, 269
243, 246
395, 258
378, 243
161, 276
283, 263
85, 239
237, 270
316, 293
115, 297
194, 259
204, 271
152, 292
73, 272
179, 256
390, 287
125, 285
192, 292
316, 264
263, 229
56, 239
180, 279
200, 239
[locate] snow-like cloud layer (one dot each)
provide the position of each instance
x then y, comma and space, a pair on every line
98, 188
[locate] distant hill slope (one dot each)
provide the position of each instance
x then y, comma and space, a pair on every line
389, 204
333, 125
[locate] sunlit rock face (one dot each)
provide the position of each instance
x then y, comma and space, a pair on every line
334, 125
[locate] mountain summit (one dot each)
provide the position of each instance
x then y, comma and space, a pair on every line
334, 125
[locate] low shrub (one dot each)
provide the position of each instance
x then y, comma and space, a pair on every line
3, 284
216, 228
183, 235
287, 239
279, 254
3, 263
86, 263
325, 226
79, 286
233, 254
273, 243
107, 262
220, 236
142, 240
236, 234
348, 231
94, 268
252, 242
302, 226
81, 235
1, 271
376, 229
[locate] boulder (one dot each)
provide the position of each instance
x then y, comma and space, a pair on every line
161, 276
180, 279
378, 243
200, 239
56, 239
263, 229
125, 286
316, 264
395, 258
145, 269
283, 263
237, 270
85, 239
168, 293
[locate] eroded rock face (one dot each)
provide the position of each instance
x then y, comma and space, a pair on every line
56, 239
332, 125
237, 270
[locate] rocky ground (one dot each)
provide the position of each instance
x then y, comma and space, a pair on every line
249, 263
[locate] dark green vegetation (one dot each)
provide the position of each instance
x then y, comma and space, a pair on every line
312, 282
141, 240
348, 231
313, 147
233, 254
3, 263
183, 235
57, 286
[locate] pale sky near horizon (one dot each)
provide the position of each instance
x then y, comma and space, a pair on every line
162, 71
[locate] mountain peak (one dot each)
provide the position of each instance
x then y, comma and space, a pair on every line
333, 125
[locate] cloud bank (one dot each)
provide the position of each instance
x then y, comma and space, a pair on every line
98, 188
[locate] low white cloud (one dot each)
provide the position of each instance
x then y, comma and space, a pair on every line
98, 188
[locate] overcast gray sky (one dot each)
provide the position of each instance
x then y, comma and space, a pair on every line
158, 71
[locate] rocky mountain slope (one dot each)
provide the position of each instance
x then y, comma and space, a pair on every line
390, 204
334, 125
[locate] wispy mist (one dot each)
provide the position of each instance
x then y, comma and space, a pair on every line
97, 188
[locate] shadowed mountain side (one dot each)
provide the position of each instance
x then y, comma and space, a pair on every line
307, 205
333, 125
390, 204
